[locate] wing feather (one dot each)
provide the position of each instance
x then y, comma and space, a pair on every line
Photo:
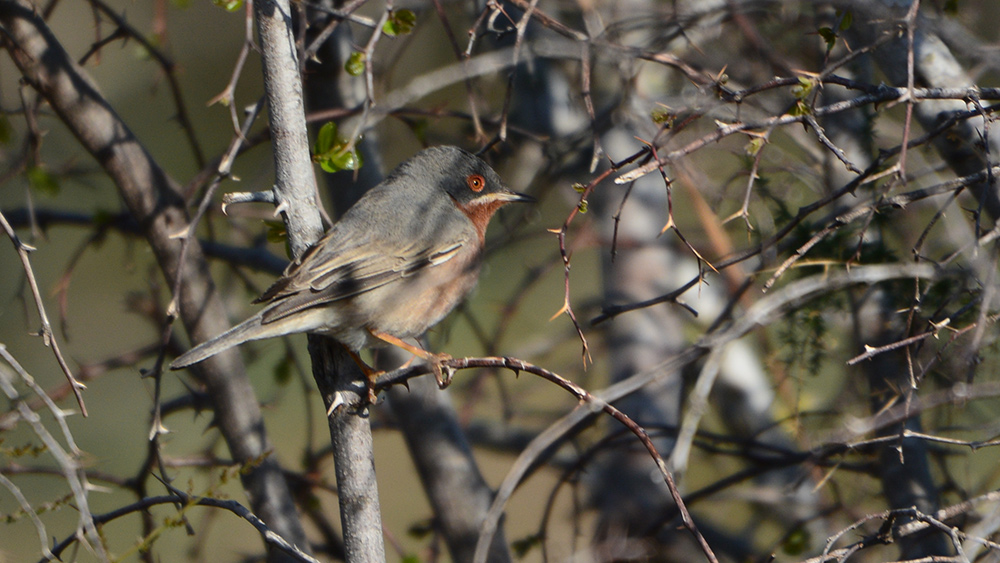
322, 281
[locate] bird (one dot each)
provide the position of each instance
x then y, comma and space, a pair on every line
398, 261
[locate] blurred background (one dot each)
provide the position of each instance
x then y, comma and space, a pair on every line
776, 440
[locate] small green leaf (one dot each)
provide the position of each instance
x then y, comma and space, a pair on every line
800, 108
276, 231
753, 147
356, 63
847, 20
829, 36
42, 182
663, 116
805, 87
229, 5
337, 161
400, 22
326, 137
797, 542
334, 153
579, 188
583, 206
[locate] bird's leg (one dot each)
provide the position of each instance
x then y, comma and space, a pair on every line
371, 374
442, 374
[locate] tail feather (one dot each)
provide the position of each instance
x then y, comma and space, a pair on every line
250, 329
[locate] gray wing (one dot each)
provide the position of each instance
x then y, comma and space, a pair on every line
397, 229
329, 276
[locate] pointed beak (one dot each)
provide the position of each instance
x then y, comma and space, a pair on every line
508, 196
501, 197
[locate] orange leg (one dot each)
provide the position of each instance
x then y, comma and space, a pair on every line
433, 359
371, 374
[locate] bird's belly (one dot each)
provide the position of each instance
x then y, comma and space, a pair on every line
410, 306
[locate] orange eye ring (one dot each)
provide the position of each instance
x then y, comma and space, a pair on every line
476, 182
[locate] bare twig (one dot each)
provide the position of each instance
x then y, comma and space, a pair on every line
46, 330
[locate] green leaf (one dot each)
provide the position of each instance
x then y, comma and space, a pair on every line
805, 87
847, 20
753, 147
583, 206
326, 137
797, 542
663, 116
829, 36
333, 153
356, 63
800, 108
229, 5
400, 22
276, 231
42, 182
337, 161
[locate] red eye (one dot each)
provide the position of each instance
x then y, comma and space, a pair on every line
476, 182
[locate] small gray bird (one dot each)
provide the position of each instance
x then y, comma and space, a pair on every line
397, 262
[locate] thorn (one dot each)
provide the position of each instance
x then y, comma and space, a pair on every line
280, 208
97, 488
562, 310
158, 429
668, 226
172, 311
182, 234
337, 402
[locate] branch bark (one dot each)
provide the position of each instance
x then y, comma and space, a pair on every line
336, 375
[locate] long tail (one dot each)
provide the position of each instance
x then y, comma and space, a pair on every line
250, 329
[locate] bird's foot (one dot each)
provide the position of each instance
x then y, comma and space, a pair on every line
370, 379
371, 376
442, 373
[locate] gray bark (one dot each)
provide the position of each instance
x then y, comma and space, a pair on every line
336, 375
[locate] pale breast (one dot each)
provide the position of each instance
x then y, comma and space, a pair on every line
410, 306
